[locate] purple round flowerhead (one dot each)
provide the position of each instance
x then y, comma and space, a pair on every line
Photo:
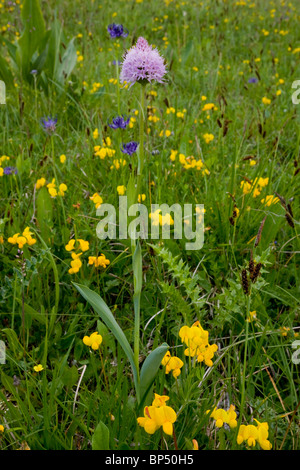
253, 80
49, 124
142, 63
117, 31
9, 170
130, 148
119, 123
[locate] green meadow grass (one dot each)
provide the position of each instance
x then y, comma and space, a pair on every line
212, 49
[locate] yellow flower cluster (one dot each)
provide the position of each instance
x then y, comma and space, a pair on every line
173, 364
158, 415
165, 133
95, 87
258, 184
21, 240
189, 162
121, 190
83, 245
196, 338
208, 138
40, 183
76, 263
209, 107
269, 200
266, 100
97, 200
252, 434
103, 152
158, 219
53, 191
117, 164
141, 198
93, 341
222, 416
99, 261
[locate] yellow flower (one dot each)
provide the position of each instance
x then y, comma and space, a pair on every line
251, 434
158, 415
62, 158
28, 235
209, 106
284, 330
195, 445
141, 198
96, 134
171, 110
52, 189
13, 239
40, 183
62, 189
262, 182
52, 192
173, 155
266, 100
231, 417
121, 190
97, 200
196, 338
70, 245
1, 428
252, 316
94, 340
117, 164
173, 364
75, 264
99, 261
208, 138
269, 200
166, 220
21, 241
38, 368
83, 245
219, 415
263, 433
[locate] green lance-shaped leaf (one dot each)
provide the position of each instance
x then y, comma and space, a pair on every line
107, 317
150, 368
100, 439
5, 73
53, 50
67, 64
34, 31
